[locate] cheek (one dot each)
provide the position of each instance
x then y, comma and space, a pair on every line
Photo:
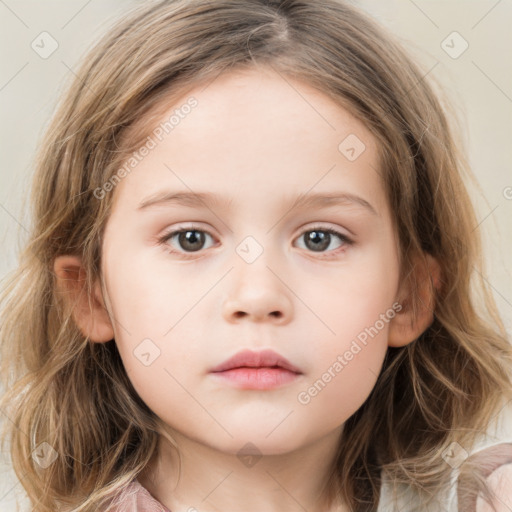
346, 378
162, 371
349, 353
159, 332
148, 298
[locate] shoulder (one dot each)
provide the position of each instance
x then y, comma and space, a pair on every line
500, 486
492, 465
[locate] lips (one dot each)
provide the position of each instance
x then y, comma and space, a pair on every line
250, 359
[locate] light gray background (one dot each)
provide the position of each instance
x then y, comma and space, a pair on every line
479, 83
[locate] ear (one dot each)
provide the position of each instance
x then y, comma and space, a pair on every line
405, 327
93, 323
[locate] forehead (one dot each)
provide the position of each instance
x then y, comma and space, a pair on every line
255, 130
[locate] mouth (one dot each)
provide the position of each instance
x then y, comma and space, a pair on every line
262, 359
256, 370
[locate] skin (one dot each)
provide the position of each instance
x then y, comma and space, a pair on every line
260, 141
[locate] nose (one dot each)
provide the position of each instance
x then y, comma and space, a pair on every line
258, 293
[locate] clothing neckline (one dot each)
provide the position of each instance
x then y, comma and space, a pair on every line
149, 498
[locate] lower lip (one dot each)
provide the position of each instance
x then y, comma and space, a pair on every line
257, 378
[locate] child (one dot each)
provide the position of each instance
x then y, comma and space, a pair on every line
256, 371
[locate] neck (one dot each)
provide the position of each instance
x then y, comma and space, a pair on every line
214, 480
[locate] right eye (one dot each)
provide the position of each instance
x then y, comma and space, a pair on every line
189, 240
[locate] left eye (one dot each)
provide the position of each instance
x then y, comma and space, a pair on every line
318, 239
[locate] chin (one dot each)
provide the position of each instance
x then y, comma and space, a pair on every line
258, 441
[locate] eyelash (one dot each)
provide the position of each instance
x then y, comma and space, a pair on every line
168, 236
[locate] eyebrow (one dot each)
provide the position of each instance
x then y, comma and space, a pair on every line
208, 199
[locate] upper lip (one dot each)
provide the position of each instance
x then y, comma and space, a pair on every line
262, 359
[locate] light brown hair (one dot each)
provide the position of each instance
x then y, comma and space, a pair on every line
76, 396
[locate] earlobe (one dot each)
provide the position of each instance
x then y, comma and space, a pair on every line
92, 319
406, 326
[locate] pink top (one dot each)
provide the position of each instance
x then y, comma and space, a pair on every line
138, 499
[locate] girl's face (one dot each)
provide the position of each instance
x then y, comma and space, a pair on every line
258, 272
